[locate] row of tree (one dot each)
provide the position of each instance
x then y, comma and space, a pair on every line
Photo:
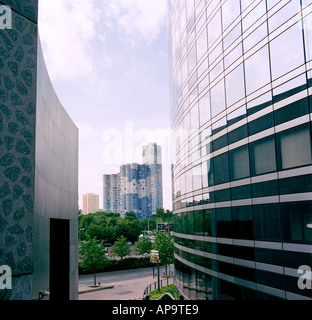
101, 227
93, 258
108, 227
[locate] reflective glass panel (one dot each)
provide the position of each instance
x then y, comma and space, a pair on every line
214, 28
295, 147
286, 55
204, 109
263, 156
257, 70
284, 14
254, 15
235, 85
239, 163
217, 98
230, 11
202, 45
307, 23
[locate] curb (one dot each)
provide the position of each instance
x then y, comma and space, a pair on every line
87, 289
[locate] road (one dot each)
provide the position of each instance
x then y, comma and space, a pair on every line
127, 285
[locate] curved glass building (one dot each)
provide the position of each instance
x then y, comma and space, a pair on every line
241, 85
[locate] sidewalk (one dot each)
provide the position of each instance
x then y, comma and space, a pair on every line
86, 289
123, 290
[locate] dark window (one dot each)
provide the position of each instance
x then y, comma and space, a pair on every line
239, 163
267, 222
221, 168
263, 156
297, 218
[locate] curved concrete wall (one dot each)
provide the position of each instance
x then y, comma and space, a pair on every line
38, 160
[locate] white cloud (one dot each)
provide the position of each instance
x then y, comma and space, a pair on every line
66, 29
138, 20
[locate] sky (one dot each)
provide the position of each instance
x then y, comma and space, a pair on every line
108, 62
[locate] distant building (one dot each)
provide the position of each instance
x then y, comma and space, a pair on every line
90, 203
137, 187
111, 198
152, 157
164, 226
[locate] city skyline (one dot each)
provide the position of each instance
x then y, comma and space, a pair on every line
112, 77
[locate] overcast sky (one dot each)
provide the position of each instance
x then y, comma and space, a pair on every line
108, 62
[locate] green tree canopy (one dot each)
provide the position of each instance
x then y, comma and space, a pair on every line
121, 248
164, 244
92, 256
144, 246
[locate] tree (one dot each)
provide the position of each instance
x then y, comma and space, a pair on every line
121, 247
93, 256
164, 244
144, 246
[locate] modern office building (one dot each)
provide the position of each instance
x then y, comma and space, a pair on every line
111, 193
90, 203
241, 87
137, 187
38, 168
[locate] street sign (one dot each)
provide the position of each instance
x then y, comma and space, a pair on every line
155, 256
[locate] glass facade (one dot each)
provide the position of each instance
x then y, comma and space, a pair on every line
241, 110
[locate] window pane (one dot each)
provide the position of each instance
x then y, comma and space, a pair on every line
204, 109
298, 218
284, 14
188, 181
221, 168
307, 25
235, 85
217, 98
239, 163
254, 15
202, 44
267, 222
255, 37
214, 28
197, 182
263, 156
230, 11
286, 55
295, 148
257, 64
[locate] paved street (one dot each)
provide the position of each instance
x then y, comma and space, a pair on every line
127, 285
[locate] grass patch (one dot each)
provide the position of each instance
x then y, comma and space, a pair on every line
155, 295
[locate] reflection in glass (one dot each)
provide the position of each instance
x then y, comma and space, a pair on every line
217, 98
254, 15
307, 28
286, 55
284, 14
255, 37
239, 163
214, 28
295, 147
204, 109
235, 85
230, 10
233, 55
263, 158
257, 70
